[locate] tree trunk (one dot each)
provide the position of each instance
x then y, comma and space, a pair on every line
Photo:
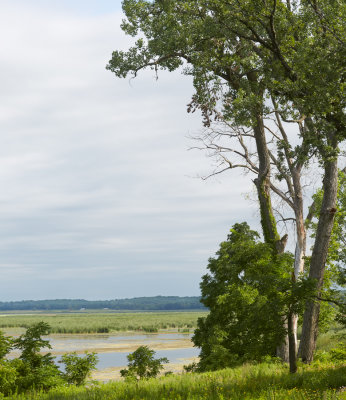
292, 343
319, 257
283, 350
299, 262
268, 221
300, 224
263, 186
295, 190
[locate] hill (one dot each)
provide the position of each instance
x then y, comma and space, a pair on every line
157, 303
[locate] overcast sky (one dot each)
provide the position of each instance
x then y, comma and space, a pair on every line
98, 193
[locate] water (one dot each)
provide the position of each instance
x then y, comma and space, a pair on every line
81, 342
119, 359
112, 350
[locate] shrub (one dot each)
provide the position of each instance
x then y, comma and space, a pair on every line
6, 344
34, 369
8, 376
78, 369
142, 364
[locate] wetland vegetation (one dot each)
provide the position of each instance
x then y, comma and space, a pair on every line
268, 379
107, 322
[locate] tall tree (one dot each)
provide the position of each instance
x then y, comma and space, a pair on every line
242, 53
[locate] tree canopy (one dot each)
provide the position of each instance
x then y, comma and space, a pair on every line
250, 60
249, 292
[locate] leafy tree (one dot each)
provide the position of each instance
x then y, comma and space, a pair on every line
6, 344
8, 373
241, 54
78, 369
8, 378
142, 364
34, 369
31, 343
249, 291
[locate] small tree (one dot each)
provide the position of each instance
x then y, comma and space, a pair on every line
142, 364
78, 369
8, 373
31, 343
34, 369
8, 377
249, 291
6, 344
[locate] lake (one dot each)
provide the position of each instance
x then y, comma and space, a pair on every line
112, 350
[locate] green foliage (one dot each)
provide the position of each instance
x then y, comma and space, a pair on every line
6, 344
43, 378
8, 378
322, 379
238, 52
338, 353
31, 343
267, 381
35, 369
249, 292
142, 364
78, 369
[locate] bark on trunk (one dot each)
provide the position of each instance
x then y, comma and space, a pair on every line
294, 187
319, 257
292, 344
283, 350
300, 223
263, 185
268, 221
299, 262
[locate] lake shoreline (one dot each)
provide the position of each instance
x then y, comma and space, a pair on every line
113, 373
112, 349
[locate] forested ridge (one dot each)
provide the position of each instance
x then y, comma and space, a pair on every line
137, 303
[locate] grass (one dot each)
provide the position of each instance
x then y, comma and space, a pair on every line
266, 381
150, 322
325, 379
330, 339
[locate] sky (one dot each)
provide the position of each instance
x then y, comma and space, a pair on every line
100, 197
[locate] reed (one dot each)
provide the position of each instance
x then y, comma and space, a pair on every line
149, 322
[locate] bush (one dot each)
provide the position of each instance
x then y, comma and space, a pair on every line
34, 369
8, 376
142, 364
6, 344
338, 353
78, 369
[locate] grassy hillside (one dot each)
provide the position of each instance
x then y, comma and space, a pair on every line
266, 381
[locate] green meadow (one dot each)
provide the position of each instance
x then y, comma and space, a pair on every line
266, 381
324, 379
107, 322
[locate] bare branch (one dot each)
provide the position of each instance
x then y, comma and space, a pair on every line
281, 194
283, 173
272, 132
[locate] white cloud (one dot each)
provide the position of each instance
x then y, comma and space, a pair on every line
95, 179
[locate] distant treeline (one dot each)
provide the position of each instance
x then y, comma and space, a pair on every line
138, 303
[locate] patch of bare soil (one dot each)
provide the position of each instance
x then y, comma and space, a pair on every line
113, 374
104, 347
